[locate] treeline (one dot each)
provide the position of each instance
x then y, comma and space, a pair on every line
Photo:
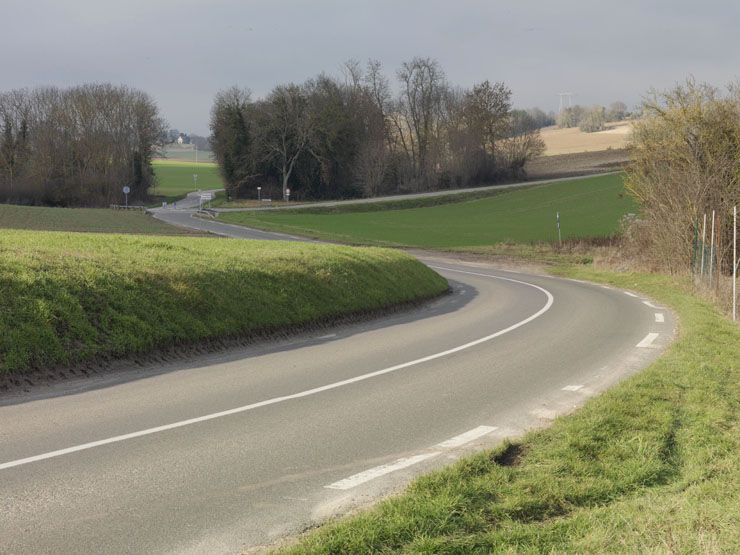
592, 118
355, 136
78, 146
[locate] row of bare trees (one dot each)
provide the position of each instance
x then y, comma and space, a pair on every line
685, 164
355, 136
592, 118
78, 146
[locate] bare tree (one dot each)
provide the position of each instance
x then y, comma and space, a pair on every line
231, 135
593, 119
617, 111
423, 85
285, 129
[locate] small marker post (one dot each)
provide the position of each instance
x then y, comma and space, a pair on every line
734, 263
560, 239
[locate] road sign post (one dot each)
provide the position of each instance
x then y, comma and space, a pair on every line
126, 191
259, 194
204, 197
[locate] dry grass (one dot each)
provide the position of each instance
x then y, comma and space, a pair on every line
570, 141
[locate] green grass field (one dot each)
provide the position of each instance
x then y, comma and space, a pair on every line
588, 208
186, 154
71, 297
650, 466
101, 220
175, 178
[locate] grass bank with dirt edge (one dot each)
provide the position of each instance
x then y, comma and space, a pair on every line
650, 466
69, 298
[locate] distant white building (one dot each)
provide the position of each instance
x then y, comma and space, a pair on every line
180, 140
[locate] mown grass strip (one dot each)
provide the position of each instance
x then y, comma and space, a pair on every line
590, 207
69, 298
650, 466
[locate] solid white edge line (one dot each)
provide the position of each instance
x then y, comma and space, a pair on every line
651, 305
467, 437
659, 317
378, 471
306, 393
648, 340
630, 294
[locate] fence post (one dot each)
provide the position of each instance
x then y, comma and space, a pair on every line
711, 252
703, 241
734, 263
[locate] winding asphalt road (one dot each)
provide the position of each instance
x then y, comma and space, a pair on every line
240, 448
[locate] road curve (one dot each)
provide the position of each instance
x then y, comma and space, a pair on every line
239, 448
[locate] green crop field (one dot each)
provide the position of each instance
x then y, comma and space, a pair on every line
101, 220
70, 297
187, 154
175, 178
588, 208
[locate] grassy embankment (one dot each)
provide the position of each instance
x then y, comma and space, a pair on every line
71, 298
103, 220
650, 466
175, 178
588, 208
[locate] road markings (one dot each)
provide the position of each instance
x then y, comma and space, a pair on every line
630, 294
467, 437
378, 471
572, 387
647, 342
659, 317
382, 470
651, 305
299, 395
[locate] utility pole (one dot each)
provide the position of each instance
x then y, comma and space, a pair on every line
569, 97
195, 175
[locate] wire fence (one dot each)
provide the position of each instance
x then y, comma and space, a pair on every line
715, 255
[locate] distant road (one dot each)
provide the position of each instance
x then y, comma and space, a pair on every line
236, 449
192, 200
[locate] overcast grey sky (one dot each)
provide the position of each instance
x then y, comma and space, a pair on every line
183, 51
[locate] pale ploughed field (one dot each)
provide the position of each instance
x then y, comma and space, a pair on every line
573, 140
